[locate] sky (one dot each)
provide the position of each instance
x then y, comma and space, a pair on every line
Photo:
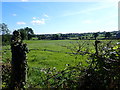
61, 17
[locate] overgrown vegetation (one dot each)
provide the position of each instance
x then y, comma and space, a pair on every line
101, 71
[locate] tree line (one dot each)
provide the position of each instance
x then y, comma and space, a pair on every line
28, 34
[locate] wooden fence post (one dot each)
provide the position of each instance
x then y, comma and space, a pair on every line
19, 62
96, 46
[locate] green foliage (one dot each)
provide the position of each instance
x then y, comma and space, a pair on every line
6, 72
26, 33
6, 39
41, 37
55, 37
108, 35
52, 78
95, 35
102, 70
4, 29
5, 34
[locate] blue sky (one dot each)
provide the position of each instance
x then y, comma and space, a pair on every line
61, 17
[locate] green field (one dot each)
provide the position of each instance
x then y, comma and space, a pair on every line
51, 53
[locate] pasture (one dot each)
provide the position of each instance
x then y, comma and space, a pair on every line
53, 53
47, 55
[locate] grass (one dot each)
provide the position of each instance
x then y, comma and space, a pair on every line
48, 53
52, 53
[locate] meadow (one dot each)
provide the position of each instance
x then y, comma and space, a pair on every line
52, 53
45, 56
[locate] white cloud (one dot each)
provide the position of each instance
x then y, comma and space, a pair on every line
24, 0
34, 17
46, 15
14, 14
21, 23
38, 22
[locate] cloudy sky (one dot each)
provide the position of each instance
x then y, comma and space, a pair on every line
61, 17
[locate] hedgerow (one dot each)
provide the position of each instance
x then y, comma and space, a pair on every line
102, 72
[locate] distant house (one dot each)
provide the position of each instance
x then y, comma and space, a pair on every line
118, 35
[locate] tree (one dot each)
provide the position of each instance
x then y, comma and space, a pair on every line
29, 32
5, 33
83, 38
86, 37
95, 35
108, 35
4, 29
64, 36
79, 37
41, 37
26, 33
55, 37
23, 33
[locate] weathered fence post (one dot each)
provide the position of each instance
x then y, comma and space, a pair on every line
19, 63
96, 46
